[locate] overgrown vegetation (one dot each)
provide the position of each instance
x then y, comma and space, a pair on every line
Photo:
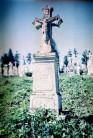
77, 94
16, 122
28, 74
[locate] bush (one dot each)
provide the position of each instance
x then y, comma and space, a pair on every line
44, 123
77, 94
28, 74
81, 72
85, 72
16, 122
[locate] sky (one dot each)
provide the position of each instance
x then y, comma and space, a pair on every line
18, 33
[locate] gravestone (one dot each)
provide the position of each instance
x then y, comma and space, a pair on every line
45, 69
10, 69
5, 70
90, 64
78, 69
21, 68
15, 69
21, 71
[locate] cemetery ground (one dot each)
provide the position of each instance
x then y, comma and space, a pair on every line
77, 101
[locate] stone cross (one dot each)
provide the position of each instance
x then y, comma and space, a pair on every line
46, 92
46, 23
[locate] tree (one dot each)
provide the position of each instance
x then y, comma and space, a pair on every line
75, 52
16, 58
29, 58
85, 57
70, 55
66, 61
2, 69
5, 59
11, 57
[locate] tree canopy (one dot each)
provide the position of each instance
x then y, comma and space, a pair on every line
11, 56
66, 61
85, 57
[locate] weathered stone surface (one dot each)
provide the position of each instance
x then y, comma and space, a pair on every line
5, 70
45, 75
10, 69
46, 23
90, 65
45, 83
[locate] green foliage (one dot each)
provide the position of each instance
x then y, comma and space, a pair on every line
16, 57
5, 59
29, 58
14, 101
69, 53
16, 122
81, 72
28, 74
75, 52
85, 57
10, 55
77, 94
44, 123
66, 61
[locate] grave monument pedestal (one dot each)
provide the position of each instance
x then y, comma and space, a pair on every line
45, 76
45, 83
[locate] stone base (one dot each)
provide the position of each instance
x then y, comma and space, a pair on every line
45, 83
90, 70
45, 49
53, 102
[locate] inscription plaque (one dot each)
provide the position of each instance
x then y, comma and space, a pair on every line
43, 77
44, 102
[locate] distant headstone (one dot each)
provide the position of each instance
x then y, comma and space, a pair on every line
45, 73
70, 69
15, 69
5, 70
21, 70
25, 68
90, 64
79, 68
10, 69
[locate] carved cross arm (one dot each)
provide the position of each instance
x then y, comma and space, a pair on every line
57, 21
38, 23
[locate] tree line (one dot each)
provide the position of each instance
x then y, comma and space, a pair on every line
84, 58
15, 58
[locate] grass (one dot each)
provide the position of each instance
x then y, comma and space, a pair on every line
77, 96
14, 93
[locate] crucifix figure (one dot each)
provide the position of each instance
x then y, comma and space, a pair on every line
46, 23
